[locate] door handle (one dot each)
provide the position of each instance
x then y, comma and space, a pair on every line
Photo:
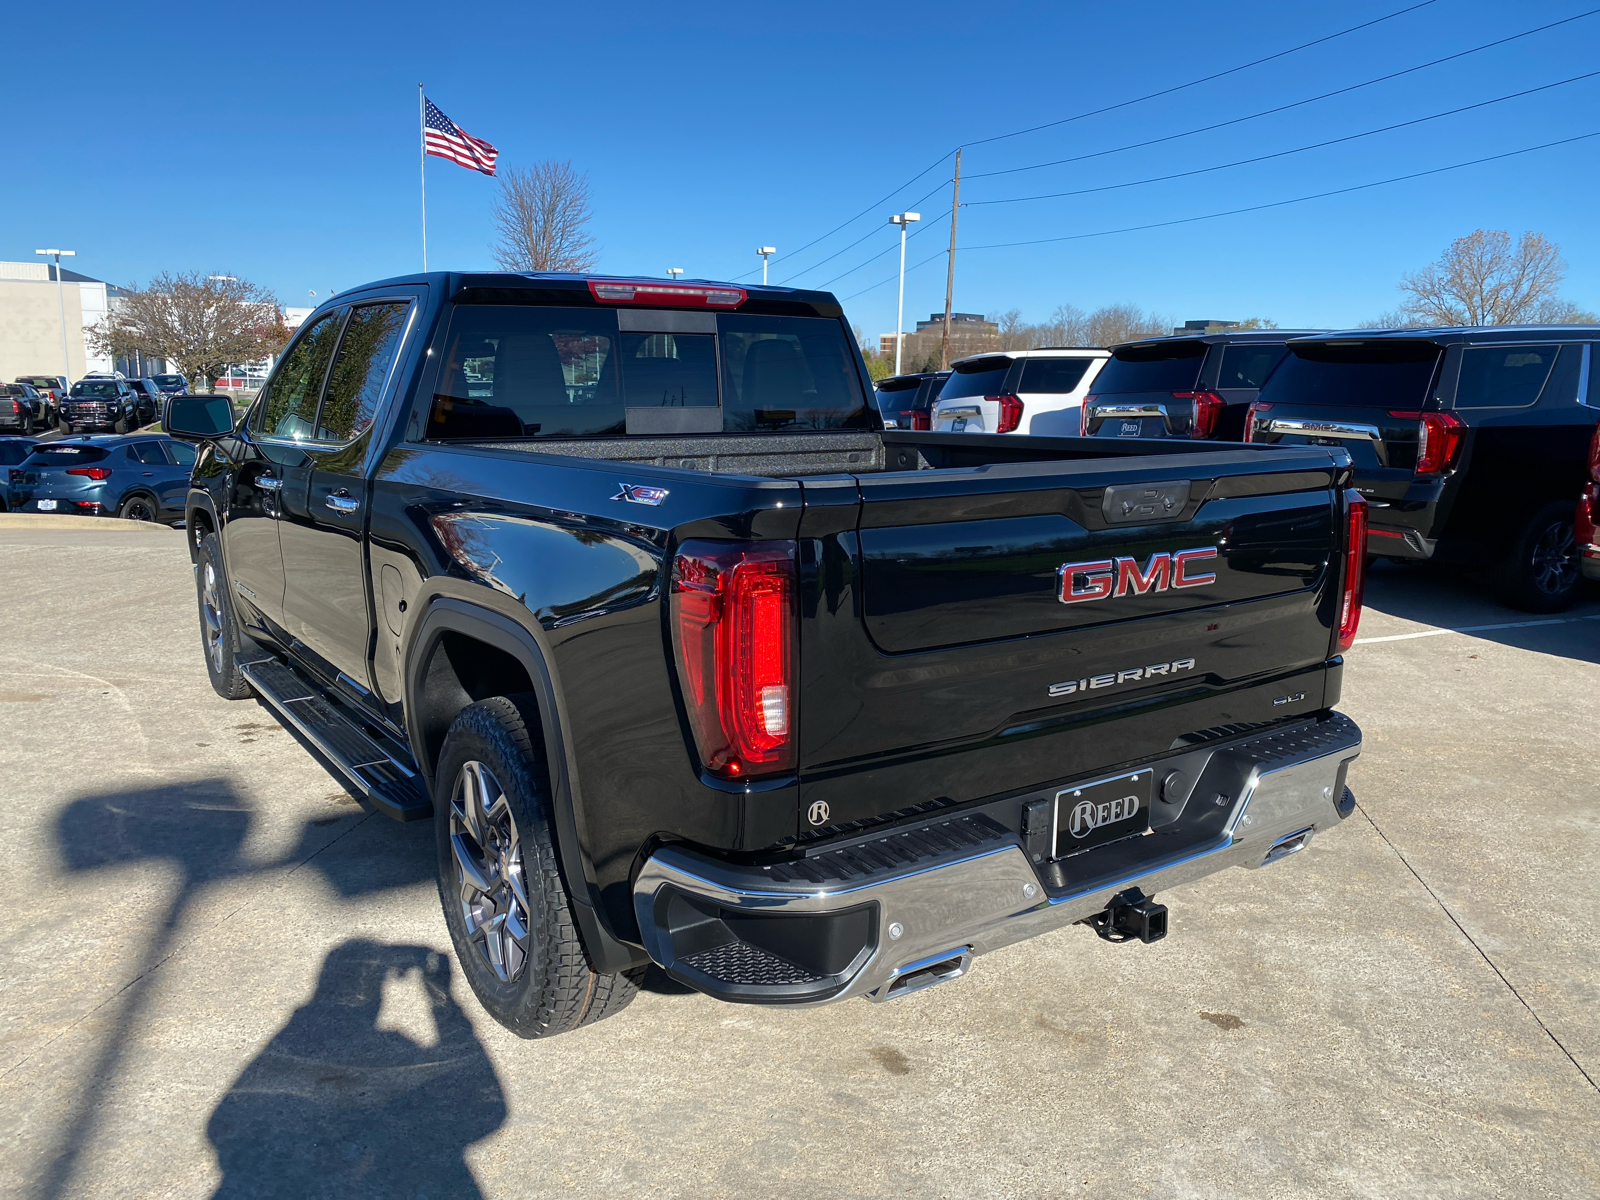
269, 483
342, 501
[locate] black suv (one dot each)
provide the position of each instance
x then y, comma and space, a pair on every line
1469, 444
1193, 386
99, 404
147, 399
906, 401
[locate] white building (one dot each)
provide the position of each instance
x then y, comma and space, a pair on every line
30, 320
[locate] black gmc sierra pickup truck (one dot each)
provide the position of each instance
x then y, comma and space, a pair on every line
697, 664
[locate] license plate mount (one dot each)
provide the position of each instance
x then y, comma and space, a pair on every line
1106, 810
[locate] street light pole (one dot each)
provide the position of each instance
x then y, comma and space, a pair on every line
765, 252
61, 304
674, 271
902, 220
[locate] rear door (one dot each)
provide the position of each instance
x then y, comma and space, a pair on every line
971, 624
1365, 396
1147, 390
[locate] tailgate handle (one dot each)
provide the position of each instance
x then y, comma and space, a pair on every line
1141, 503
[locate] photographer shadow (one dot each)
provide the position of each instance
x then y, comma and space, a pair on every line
341, 1103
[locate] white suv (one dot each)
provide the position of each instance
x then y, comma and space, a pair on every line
1018, 391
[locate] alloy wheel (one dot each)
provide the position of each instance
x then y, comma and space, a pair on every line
490, 885
211, 617
1555, 559
138, 509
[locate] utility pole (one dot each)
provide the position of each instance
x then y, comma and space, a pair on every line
950, 274
901, 219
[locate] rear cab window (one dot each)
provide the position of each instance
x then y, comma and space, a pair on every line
513, 371
1392, 375
1173, 367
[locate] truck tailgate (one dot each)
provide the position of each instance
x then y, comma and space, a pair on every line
996, 628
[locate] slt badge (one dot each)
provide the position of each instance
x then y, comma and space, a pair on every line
638, 493
1085, 581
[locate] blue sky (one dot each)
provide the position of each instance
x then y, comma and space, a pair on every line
280, 143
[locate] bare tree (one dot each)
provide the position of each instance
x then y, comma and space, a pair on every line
1482, 279
201, 324
540, 216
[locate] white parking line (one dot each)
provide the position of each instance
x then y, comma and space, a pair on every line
1406, 637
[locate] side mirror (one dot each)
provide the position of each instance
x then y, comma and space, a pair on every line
198, 418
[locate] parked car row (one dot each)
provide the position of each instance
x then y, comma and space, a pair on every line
143, 477
101, 400
1473, 447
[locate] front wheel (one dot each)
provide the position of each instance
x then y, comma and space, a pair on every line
120, 425
219, 632
507, 907
1542, 570
64, 428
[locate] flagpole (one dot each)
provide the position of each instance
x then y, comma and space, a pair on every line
422, 168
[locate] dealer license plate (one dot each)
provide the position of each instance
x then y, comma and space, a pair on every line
47, 506
1092, 814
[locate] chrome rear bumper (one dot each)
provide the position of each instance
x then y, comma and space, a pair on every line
881, 916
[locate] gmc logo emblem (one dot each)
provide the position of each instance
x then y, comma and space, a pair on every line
1108, 577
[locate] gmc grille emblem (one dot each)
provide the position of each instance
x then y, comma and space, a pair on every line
1108, 577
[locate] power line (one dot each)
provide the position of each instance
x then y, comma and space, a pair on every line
868, 262
1205, 79
1096, 112
1267, 112
1233, 212
1285, 153
866, 235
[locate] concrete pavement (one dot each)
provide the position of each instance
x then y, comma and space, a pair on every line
224, 977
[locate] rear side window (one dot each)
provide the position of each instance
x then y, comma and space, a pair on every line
1171, 368
1392, 375
366, 352
50, 455
1052, 376
788, 373
984, 377
1503, 376
290, 406
1247, 366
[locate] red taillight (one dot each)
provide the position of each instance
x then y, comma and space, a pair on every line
1583, 519
922, 419
1010, 413
1355, 569
1594, 455
16, 406
1083, 416
1208, 408
1250, 419
1439, 436
95, 473
680, 295
733, 619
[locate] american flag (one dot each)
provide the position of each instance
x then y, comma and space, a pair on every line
443, 137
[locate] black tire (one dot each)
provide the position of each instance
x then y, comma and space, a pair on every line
138, 507
64, 428
219, 632
522, 954
1542, 572
120, 425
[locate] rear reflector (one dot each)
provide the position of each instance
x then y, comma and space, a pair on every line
1583, 519
678, 295
1010, 413
1250, 420
1439, 436
733, 624
1355, 568
1208, 408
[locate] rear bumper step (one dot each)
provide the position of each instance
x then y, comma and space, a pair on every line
884, 916
390, 786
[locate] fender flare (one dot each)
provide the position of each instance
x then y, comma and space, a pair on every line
199, 498
448, 615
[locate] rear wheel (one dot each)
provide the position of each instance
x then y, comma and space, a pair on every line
137, 508
1542, 571
219, 633
506, 904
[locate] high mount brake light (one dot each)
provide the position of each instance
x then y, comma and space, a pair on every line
1355, 569
679, 295
1208, 408
1439, 438
95, 473
1083, 415
1010, 413
733, 626
1250, 419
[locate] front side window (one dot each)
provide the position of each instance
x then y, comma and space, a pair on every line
789, 373
182, 453
371, 338
1247, 366
289, 408
1052, 376
1503, 376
